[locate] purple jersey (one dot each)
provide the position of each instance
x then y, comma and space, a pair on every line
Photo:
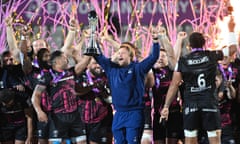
92, 106
61, 90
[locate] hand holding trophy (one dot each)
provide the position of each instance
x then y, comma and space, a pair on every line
92, 49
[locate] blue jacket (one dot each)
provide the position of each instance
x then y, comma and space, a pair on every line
127, 83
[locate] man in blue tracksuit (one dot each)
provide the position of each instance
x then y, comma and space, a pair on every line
126, 79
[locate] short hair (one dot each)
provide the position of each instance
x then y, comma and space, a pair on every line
130, 47
55, 55
6, 53
196, 40
41, 52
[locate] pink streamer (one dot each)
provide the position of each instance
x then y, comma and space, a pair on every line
202, 22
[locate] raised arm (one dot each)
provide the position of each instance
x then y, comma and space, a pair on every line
81, 60
178, 45
109, 39
26, 63
11, 40
79, 47
149, 79
231, 37
67, 47
165, 43
82, 64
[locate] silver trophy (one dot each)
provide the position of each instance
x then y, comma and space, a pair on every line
92, 49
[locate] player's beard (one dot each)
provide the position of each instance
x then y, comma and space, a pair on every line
97, 72
44, 65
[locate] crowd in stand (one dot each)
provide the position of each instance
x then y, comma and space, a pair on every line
174, 95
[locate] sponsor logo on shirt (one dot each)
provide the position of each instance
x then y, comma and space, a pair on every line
198, 61
129, 71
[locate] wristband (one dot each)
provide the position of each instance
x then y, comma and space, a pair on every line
225, 51
232, 40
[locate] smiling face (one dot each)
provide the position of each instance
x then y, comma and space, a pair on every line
125, 54
124, 57
95, 68
162, 60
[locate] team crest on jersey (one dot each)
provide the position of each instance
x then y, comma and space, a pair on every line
198, 61
129, 71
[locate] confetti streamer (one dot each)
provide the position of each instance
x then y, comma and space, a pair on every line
207, 17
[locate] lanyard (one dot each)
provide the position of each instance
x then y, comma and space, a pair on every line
56, 78
159, 76
230, 71
197, 49
90, 80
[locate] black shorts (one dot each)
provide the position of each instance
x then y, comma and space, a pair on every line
67, 125
13, 132
173, 128
42, 130
201, 117
148, 118
100, 132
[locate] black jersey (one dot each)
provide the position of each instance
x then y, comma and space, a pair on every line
14, 115
163, 78
198, 72
61, 90
91, 105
